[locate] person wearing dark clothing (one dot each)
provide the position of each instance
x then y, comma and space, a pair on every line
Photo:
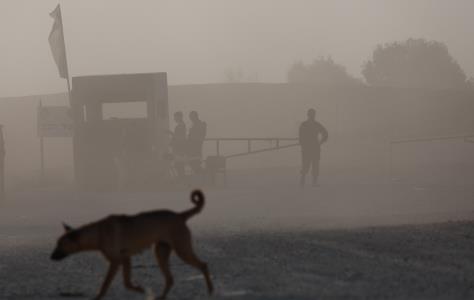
178, 144
121, 159
311, 136
196, 136
2, 164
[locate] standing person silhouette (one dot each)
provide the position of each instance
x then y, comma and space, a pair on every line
196, 136
121, 159
2, 164
311, 136
178, 144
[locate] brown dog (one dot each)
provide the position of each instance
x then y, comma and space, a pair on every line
118, 237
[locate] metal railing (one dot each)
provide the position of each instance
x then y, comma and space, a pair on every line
249, 141
468, 138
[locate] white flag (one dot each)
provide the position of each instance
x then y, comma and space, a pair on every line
56, 42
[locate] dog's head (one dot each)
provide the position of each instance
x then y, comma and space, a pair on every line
67, 244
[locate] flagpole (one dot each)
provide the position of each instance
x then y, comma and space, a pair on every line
42, 177
68, 92
65, 58
74, 176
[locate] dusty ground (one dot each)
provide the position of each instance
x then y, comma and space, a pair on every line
403, 262
263, 239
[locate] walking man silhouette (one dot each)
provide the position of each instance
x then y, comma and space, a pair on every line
311, 136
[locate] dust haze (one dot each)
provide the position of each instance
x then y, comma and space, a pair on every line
170, 96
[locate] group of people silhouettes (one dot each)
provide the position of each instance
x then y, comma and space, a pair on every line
186, 145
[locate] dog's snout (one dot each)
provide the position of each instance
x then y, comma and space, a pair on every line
57, 255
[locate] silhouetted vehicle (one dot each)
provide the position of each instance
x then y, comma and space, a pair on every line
311, 136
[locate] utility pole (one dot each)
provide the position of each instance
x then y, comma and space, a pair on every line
2, 165
41, 137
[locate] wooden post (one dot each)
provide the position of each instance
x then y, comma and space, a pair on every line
390, 163
68, 80
40, 133
2, 165
42, 159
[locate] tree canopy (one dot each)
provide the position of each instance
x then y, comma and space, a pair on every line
414, 63
323, 71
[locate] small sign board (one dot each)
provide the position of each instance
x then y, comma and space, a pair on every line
55, 121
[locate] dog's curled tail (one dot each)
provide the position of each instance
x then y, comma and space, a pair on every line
197, 198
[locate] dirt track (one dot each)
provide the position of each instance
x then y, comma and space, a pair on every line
263, 240
403, 262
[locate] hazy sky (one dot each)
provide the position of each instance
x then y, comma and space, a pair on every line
197, 41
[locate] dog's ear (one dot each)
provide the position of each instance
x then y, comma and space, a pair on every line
67, 228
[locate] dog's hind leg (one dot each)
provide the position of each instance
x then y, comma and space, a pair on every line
184, 250
127, 273
113, 268
163, 252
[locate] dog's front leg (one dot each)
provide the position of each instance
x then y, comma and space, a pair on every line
113, 268
127, 274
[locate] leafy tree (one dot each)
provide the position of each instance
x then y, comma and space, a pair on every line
234, 76
323, 71
470, 82
414, 63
